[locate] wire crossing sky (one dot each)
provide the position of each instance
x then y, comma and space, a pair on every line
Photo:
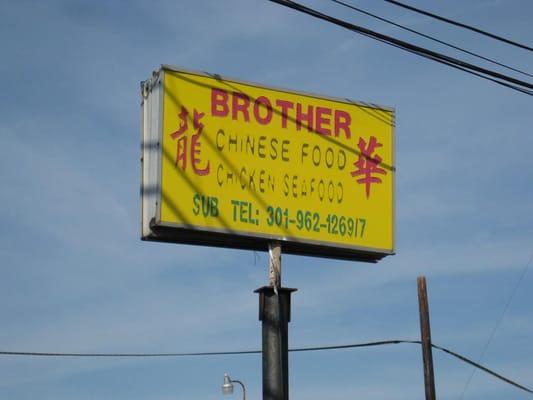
515, 84
459, 24
431, 38
245, 352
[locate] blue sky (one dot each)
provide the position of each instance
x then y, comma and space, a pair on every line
77, 278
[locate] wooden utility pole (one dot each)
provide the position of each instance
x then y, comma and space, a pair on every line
425, 332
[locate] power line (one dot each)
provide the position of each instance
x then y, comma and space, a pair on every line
474, 29
439, 57
498, 323
481, 367
484, 73
200, 354
353, 346
430, 37
513, 87
244, 352
127, 355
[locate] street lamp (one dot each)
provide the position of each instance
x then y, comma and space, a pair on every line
227, 387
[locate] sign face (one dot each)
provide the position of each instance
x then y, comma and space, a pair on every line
235, 164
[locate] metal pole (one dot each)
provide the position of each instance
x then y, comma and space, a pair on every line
425, 332
243, 388
275, 314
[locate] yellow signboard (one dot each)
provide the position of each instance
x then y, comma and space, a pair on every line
239, 164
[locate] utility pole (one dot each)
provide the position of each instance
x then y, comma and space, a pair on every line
425, 332
275, 315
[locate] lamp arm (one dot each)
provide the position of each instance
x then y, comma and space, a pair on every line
243, 388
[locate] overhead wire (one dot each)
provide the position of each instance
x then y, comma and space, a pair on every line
200, 354
455, 23
244, 352
432, 38
481, 367
496, 77
498, 323
505, 84
127, 355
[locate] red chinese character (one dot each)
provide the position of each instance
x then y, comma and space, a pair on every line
367, 164
181, 144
